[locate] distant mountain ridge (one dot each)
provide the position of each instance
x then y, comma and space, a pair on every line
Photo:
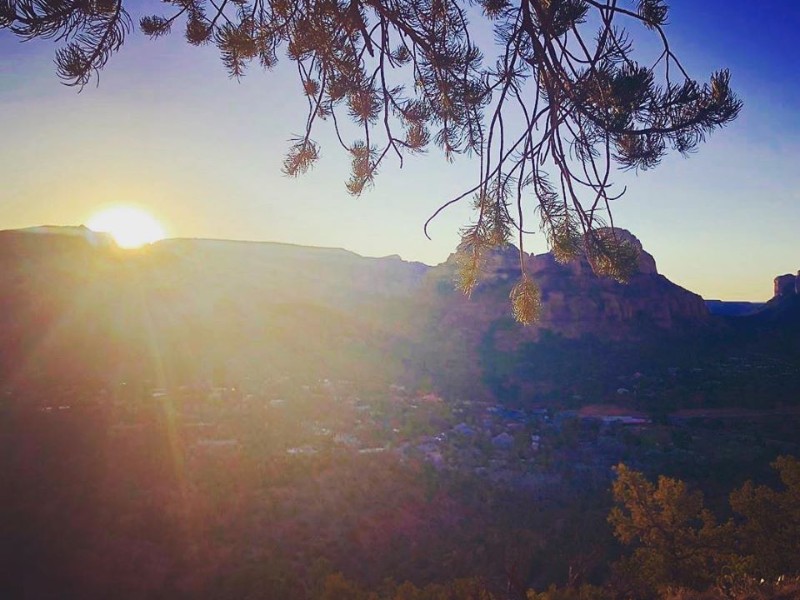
183, 311
727, 308
576, 301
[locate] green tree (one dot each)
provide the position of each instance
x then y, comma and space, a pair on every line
559, 102
676, 540
770, 530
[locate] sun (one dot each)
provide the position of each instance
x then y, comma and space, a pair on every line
129, 226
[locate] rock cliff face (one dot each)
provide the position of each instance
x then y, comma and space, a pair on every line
782, 311
787, 285
575, 301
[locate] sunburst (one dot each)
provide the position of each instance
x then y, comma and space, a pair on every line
130, 227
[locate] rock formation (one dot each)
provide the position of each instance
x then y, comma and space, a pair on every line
787, 285
576, 301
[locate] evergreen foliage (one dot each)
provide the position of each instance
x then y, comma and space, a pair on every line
679, 548
770, 531
677, 539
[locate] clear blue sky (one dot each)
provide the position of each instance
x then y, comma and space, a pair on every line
169, 131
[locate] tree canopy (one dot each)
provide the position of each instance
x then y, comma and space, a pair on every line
551, 107
677, 541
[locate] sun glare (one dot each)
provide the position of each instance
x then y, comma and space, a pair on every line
130, 227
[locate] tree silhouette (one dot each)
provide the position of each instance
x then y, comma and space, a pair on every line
559, 101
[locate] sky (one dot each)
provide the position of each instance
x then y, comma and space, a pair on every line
167, 130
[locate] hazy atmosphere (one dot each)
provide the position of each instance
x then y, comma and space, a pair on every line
246, 354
